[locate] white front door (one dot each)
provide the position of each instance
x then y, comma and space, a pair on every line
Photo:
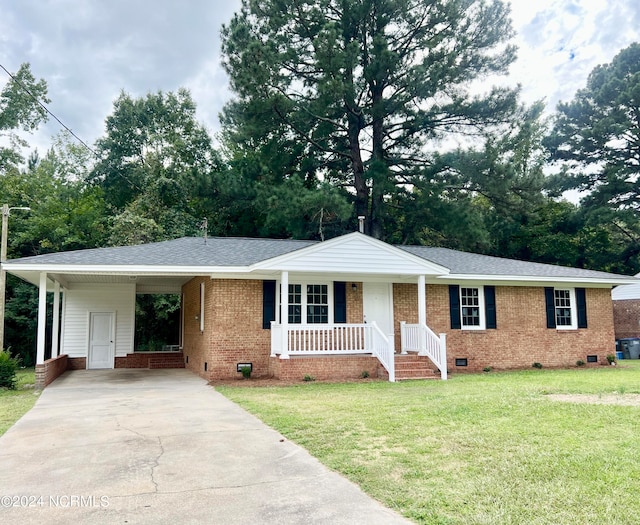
378, 305
101, 347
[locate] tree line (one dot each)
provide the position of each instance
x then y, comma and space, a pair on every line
380, 108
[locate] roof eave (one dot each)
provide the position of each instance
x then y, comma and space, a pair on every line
538, 279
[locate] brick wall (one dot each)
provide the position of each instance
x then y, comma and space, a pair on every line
233, 330
626, 318
77, 363
150, 360
338, 368
405, 308
355, 313
522, 337
50, 370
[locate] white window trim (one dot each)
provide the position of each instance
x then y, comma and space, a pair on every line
303, 288
574, 310
481, 306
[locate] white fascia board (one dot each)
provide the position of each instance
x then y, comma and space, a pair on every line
518, 280
123, 269
280, 262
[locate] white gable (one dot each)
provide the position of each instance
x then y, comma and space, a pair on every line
353, 253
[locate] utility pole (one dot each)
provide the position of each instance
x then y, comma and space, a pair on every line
6, 211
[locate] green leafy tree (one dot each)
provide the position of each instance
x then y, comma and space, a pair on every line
354, 91
157, 167
596, 143
20, 111
66, 213
596, 136
500, 186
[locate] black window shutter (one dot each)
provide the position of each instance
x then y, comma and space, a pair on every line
550, 305
581, 301
454, 306
490, 306
268, 303
339, 302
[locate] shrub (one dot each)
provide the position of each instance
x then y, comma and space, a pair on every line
365, 374
611, 358
537, 365
308, 378
246, 371
8, 367
487, 369
579, 362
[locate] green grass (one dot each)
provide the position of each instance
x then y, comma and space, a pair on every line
15, 403
476, 449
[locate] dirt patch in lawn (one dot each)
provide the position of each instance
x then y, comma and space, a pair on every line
631, 400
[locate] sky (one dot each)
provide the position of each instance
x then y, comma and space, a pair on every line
89, 51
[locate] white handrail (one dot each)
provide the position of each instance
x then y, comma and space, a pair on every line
420, 338
383, 350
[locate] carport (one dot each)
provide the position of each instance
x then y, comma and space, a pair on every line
93, 308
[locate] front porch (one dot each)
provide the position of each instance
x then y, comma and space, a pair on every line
361, 343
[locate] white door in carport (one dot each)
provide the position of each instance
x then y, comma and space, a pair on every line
101, 347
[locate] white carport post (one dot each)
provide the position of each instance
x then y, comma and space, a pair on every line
42, 318
422, 310
284, 314
55, 336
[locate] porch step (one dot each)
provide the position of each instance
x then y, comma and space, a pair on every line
168, 360
412, 366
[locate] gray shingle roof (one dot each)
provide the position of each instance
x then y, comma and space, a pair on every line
243, 252
187, 251
464, 263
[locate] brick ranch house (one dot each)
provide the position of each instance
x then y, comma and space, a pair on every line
352, 304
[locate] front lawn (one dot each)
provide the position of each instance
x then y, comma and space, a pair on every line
15, 403
476, 449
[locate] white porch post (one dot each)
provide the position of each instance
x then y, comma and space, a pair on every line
422, 300
64, 315
55, 336
42, 318
422, 311
284, 314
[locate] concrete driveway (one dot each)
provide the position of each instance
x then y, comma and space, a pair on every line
161, 446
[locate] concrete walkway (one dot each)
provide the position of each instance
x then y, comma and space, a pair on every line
161, 446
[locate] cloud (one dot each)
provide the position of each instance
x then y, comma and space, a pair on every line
88, 51
562, 41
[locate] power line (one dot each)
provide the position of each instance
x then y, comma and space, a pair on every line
48, 110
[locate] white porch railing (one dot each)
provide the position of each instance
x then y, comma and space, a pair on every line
366, 338
420, 338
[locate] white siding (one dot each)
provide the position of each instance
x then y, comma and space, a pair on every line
358, 255
83, 299
626, 291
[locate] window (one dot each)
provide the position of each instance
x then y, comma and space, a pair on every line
317, 304
563, 304
472, 307
324, 303
566, 308
310, 307
295, 303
